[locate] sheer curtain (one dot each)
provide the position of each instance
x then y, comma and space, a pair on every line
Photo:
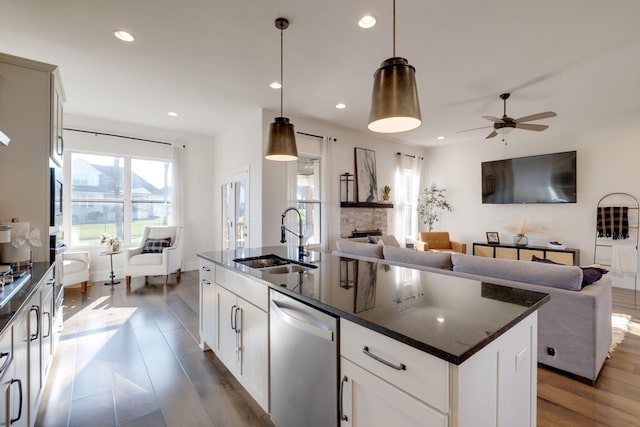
407, 182
176, 189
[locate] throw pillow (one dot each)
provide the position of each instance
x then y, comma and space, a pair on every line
589, 274
592, 274
155, 246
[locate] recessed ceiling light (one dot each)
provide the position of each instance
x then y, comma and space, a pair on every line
123, 35
340, 106
367, 21
440, 138
275, 85
172, 114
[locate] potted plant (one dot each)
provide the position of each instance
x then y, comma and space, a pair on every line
431, 203
386, 190
111, 242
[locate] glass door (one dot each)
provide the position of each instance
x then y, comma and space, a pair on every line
235, 201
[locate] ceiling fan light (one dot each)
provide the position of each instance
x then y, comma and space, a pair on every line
505, 130
281, 145
394, 100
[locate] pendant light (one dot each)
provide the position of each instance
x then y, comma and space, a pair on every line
394, 101
281, 145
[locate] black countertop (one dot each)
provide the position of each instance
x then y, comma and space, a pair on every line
15, 304
447, 316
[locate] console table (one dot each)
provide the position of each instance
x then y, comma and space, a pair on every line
567, 256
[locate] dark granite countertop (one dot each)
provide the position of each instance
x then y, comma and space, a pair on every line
447, 316
22, 295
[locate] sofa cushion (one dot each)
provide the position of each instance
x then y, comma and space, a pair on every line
409, 256
388, 240
361, 249
70, 266
557, 276
590, 274
154, 246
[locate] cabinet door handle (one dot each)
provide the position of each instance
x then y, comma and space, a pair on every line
205, 268
48, 327
37, 310
7, 358
343, 417
233, 317
399, 367
13, 380
206, 282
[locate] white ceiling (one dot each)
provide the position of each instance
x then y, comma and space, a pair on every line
205, 59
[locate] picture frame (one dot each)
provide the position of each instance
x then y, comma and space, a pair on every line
493, 237
366, 180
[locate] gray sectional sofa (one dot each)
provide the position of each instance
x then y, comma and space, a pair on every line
574, 327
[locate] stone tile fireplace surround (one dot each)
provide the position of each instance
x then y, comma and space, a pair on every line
363, 219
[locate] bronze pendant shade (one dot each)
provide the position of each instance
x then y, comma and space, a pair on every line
394, 99
282, 140
281, 144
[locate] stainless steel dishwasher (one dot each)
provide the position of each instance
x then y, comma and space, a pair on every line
304, 364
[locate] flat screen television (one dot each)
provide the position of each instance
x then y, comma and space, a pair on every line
547, 178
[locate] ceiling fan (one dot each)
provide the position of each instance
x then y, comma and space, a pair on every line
506, 123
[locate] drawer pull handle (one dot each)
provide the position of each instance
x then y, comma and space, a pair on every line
205, 268
206, 282
400, 367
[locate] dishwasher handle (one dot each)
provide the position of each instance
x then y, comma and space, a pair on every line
326, 334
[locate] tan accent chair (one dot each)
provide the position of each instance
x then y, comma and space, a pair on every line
161, 262
75, 269
439, 241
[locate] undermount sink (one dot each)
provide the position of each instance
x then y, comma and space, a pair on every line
264, 261
274, 264
289, 268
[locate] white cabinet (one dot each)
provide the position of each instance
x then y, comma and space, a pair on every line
32, 352
385, 382
208, 313
369, 401
235, 325
27, 113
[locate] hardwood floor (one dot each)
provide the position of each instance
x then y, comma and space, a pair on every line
614, 400
132, 359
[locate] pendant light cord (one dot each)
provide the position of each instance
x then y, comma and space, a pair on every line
281, 68
394, 28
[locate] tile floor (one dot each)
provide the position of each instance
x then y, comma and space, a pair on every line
132, 359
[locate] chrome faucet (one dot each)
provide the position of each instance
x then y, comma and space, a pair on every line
283, 237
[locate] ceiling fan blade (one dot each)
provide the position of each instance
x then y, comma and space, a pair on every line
467, 130
538, 116
492, 134
531, 126
493, 119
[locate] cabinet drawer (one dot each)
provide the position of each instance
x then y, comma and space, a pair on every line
248, 289
425, 377
207, 270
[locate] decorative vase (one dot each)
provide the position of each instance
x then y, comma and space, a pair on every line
385, 197
520, 240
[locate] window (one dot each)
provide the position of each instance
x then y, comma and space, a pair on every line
406, 202
308, 199
116, 195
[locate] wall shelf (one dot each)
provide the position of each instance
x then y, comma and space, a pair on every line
365, 205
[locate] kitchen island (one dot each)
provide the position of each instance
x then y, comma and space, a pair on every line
415, 347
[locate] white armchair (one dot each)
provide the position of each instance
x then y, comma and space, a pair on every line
75, 269
159, 254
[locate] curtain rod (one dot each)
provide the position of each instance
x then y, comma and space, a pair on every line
409, 155
315, 136
118, 136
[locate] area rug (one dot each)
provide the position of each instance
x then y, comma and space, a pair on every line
619, 327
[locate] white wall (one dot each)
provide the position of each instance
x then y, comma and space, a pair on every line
608, 153
198, 178
341, 161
